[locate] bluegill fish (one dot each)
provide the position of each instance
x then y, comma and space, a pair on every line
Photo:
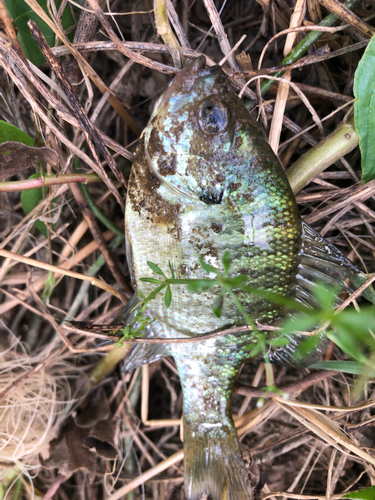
205, 181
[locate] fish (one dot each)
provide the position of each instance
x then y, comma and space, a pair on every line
204, 182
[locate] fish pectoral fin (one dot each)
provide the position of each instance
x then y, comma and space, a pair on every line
143, 354
213, 463
322, 261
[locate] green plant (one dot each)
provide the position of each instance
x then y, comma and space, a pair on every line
349, 329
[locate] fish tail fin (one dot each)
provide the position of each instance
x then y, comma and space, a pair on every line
213, 463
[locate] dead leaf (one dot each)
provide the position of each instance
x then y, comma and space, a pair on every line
16, 157
96, 409
83, 439
102, 439
68, 453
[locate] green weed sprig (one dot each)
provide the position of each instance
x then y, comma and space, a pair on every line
352, 331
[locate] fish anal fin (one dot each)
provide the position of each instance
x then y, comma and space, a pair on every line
143, 354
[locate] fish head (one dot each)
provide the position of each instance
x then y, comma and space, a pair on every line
191, 139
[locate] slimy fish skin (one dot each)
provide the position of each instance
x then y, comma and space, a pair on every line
205, 181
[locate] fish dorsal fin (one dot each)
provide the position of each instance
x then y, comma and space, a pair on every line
320, 262
323, 262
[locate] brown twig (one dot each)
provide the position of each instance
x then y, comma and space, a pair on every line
85, 30
165, 31
84, 65
138, 58
219, 29
94, 329
348, 16
87, 127
48, 180
49, 267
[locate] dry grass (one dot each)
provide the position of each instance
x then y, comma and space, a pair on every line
95, 110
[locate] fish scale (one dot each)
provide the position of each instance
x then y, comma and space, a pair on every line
205, 181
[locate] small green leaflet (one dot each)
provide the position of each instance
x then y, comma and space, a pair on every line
353, 367
156, 269
227, 261
22, 13
168, 296
9, 132
365, 494
364, 110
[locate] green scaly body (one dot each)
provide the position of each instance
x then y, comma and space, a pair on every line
205, 181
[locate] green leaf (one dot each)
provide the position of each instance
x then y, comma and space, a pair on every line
171, 270
353, 367
22, 13
154, 281
49, 286
207, 267
200, 286
9, 132
217, 306
168, 296
156, 269
253, 349
279, 342
29, 200
365, 494
325, 296
154, 293
227, 261
306, 347
299, 324
237, 281
348, 343
358, 323
364, 110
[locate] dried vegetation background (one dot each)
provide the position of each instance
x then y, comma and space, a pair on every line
71, 424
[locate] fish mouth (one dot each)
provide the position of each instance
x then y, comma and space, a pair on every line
212, 197
176, 185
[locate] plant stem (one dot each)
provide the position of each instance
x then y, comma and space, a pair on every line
107, 364
165, 31
343, 140
47, 180
309, 40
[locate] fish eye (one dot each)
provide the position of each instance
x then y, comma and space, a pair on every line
213, 117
